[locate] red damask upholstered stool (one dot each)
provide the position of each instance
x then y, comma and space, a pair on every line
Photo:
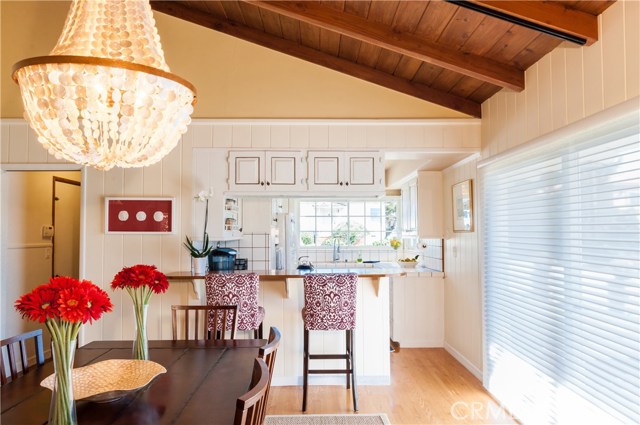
330, 305
240, 290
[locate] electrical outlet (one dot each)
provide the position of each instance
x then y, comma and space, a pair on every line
47, 254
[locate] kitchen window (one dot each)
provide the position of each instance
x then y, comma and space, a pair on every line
348, 223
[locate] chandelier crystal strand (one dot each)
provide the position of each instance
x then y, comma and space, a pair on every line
105, 97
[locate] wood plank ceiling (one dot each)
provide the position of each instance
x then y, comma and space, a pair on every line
439, 51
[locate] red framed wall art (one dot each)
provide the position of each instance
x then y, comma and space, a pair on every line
139, 215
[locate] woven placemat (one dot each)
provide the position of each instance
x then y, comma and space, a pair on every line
355, 419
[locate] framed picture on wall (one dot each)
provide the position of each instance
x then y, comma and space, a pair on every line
139, 215
462, 198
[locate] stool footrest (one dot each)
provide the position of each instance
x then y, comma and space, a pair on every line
328, 356
329, 371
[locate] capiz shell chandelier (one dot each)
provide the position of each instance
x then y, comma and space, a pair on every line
104, 96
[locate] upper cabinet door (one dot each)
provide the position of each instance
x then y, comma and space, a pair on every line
246, 170
338, 171
363, 170
325, 170
275, 171
283, 171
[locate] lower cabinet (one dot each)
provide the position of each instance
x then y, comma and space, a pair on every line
417, 318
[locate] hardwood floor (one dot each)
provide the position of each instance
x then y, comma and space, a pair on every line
428, 386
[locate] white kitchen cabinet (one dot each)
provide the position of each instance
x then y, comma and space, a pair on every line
422, 214
339, 171
266, 171
417, 311
409, 197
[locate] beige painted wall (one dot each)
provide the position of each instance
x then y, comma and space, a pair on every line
234, 78
565, 86
26, 254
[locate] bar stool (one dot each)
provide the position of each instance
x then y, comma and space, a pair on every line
241, 290
330, 305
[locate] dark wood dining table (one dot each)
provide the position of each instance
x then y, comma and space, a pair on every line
202, 383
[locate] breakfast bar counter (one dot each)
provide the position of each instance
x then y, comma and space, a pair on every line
282, 296
370, 272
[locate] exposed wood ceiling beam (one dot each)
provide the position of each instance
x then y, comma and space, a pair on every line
406, 44
549, 17
178, 10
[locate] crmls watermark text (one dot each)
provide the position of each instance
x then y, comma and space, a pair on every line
464, 410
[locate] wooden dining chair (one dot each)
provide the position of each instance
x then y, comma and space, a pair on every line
268, 354
16, 349
207, 320
252, 406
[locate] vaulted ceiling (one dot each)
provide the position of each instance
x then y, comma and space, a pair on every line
453, 53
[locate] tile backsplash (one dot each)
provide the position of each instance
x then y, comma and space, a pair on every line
258, 250
255, 247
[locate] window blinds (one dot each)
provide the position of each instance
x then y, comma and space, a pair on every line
561, 236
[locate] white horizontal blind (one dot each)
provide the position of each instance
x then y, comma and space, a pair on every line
562, 280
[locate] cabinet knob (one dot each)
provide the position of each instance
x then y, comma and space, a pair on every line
261, 183
340, 183
347, 183
268, 184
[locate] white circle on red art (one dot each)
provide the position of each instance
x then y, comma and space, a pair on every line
158, 216
123, 216
141, 216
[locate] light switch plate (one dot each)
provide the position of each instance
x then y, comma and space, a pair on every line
47, 231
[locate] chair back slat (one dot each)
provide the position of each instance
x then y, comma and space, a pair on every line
250, 407
203, 328
268, 353
17, 355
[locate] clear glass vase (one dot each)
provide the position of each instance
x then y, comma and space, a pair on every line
62, 410
140, 343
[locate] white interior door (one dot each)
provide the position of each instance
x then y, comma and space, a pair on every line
66, 222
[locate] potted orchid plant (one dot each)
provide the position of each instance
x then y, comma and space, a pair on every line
63, 305
199, 252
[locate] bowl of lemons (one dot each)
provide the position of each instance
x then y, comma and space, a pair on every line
408, 262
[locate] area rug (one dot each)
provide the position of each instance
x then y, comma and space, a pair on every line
355, 419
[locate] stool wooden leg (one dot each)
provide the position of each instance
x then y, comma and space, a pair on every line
353, 370
305, 374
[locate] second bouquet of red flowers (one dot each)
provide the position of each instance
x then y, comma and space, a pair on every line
140, 281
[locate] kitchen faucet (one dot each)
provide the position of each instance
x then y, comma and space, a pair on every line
336, 250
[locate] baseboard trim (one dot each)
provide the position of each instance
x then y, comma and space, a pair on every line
293, 381
464, 361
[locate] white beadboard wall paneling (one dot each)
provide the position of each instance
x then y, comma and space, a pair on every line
223, 136
462, 284
632, 47
300, 136
260, 136
558, 87
19, 143
545, 97
613, 67
280, 136
337, 137
595, 77
241, 136
318, 136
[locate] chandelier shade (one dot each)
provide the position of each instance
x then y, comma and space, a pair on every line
105, 96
